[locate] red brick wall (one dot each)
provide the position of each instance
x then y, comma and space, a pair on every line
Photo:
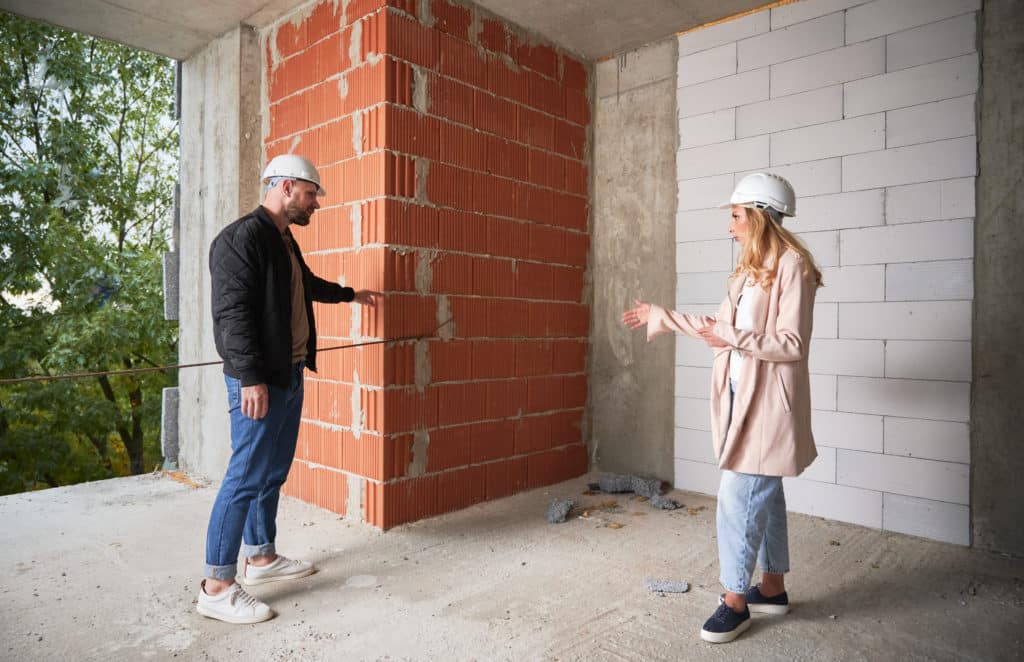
454, 156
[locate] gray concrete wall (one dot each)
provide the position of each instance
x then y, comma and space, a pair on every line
633, 256
220, 164
997, 414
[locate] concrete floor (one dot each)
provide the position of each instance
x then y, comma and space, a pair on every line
109, 571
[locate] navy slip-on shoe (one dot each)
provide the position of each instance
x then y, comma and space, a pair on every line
757, 603
725, 625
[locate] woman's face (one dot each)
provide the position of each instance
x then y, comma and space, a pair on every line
740, 226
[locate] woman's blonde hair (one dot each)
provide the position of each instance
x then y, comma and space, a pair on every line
766, 241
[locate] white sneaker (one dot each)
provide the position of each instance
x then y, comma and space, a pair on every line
282, 568
232, 605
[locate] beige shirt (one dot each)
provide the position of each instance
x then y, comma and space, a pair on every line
300, 322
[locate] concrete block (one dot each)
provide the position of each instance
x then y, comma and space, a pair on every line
694, 445
693, 382
952, 118
906, 398
798, 12
888, 16
704, 38
720, 93
934, 440
816, 213
948, 360
745, 154
824, 246
792, 42
956, 77
169, 425
908, 242
829, 68
693, 353
693, 413
945, 159
938, 520
706, 288
838, 502
920, 320
931, 43
702, 256
826, 322
930, 201
823, 391
837, 429
854, 283
813, 178
704, 192
790, 112
864, 358
930, 281
927, 479
707, 65
715, 127
702, 224
823, 469
170, 285
649, 64
821, 141
697, 477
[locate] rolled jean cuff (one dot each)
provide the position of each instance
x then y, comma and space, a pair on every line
266, 549
221, 571
775, 571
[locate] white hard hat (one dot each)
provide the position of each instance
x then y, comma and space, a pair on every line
293, 166
763, 189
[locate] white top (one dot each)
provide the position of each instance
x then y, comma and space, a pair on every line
745, 321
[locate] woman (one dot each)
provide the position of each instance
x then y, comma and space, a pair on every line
760, 395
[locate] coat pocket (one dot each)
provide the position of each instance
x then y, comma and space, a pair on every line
782, 393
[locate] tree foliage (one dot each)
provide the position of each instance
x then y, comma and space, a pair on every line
86, 182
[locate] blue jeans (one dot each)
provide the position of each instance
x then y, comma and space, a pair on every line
261, 455
751, 518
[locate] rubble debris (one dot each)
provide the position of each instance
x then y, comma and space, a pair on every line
664, 503
647, 487
834, 543
615, 525
615, 483
666, 585
559, 510
696, 511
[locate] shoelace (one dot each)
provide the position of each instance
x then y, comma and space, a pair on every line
240, 596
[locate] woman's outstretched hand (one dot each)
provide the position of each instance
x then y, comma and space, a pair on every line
637, 317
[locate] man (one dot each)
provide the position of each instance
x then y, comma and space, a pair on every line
264, 330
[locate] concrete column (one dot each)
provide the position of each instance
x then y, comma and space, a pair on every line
220, 167
997, 415
633, 255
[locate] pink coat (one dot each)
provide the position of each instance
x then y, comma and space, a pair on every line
770, 432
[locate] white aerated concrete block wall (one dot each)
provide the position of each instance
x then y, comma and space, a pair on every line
868, 108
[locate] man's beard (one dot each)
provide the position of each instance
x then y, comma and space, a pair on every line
297, 215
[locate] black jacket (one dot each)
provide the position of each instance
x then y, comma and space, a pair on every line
252, 305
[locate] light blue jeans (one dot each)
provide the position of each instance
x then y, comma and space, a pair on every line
261, 455
751, 518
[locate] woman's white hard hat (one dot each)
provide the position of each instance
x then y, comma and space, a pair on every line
764, 189
293, 166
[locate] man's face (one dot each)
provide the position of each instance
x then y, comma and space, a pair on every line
300, 201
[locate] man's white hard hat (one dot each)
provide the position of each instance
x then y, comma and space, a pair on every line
293, 166
764, 189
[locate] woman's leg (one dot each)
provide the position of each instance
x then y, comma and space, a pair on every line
773, 557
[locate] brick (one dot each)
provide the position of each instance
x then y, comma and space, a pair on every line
838, 211
888, 16
812, 143
577, 107
493, 36
460, 403
690, 352
493, 277
942, 401
506, 478
935, 440
494, 195
704, 192
577, 179
789, 43
408, 39
702, 256
952, 118
448, 186
923, 359
823, 468
930, 281
452, 274
733, 30
853, 283
696, 476
451, 18
537, 205
837, 502
505, 398
824, 247
569, 357
798, 12
570, 212
836, 429
790, 112
461, 61
567, 284
493, 359
931, 43
508, 319
536, 128
692, 382
506, 82
944, 159
693, 445
926, 518
702, 225
462, 147
929, 82
707, 288
449, 447
930, 201
863, 358
460, 489
574, 73
451, 361
811, 178
727, 92
935, 240
826, 321
543, 394
491, 441
715, 127
823, 392
545, 94
829, 68
693, 413
707, 65
494, 114
291, 37
451, 100
539, 57
745, 154
922, 320
942, 481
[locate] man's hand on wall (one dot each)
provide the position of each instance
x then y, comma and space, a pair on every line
366, 297
255, 401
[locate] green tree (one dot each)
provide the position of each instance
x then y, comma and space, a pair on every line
86, 180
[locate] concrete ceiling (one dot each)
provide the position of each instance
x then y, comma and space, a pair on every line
179, 28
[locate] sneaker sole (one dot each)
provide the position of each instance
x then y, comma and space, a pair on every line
765, 608
245, 581
233, 620
724, 637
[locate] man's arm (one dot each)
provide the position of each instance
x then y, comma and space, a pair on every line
236, 305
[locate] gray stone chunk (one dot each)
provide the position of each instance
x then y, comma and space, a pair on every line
666, 585
615, 483
647, 487
663, 503
559, 510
